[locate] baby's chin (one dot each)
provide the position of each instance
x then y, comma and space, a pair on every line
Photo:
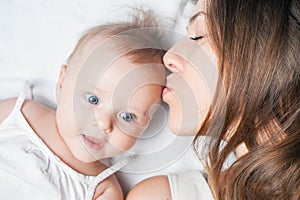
90, 157
82, 153
109, 151
84, 156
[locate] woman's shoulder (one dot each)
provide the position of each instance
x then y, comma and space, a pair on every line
182, 185
154, 188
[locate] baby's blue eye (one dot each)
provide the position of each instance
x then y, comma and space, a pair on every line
126, 116
92, 99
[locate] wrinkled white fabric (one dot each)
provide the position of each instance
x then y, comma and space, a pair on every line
30, 170
190, 185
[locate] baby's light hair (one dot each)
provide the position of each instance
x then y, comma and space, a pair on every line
141, 34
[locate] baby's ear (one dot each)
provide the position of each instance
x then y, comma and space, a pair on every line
60, 81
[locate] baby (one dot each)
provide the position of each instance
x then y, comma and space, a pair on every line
106, 95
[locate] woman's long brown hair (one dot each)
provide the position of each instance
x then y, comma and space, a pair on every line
258, 48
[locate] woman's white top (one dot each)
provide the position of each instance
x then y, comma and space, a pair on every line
30, 170
191, 185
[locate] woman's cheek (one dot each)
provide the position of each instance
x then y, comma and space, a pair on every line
174, 116
183, 119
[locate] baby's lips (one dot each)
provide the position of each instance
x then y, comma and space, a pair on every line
93, 139
93, 142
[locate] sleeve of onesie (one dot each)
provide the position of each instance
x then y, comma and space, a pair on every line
190, 185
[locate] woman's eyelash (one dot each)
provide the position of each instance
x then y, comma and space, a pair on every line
196, 38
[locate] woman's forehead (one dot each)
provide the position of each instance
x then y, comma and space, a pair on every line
200, 6
198, 11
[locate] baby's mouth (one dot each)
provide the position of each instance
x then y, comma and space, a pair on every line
93, 142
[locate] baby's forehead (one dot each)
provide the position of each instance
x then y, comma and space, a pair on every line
105, 51
125, 71
85, 48
102, 58
100, 71
111, 41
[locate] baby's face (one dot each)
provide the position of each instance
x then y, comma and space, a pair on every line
102, 110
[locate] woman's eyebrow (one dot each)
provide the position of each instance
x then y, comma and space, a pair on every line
192, 19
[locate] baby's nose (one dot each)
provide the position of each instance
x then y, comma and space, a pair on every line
104, 122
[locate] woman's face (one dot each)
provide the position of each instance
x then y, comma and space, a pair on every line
190, 87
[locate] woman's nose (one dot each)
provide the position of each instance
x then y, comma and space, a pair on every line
173, 61
104, 122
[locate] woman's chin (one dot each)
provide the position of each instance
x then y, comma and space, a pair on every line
178, 124
180, 127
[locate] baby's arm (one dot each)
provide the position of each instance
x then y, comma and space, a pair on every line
154, 188
109, 189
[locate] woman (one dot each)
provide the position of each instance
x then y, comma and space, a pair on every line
255, 45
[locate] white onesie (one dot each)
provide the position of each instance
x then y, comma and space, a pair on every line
30, 170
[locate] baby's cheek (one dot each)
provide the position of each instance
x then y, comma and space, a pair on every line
122, 141
156, 93
84, 116
131, 129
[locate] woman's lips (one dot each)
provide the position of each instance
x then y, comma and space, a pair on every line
165, 91
167, 88
92, 142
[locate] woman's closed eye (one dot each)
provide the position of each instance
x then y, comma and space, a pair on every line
127, 116
92, 99
196, 38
